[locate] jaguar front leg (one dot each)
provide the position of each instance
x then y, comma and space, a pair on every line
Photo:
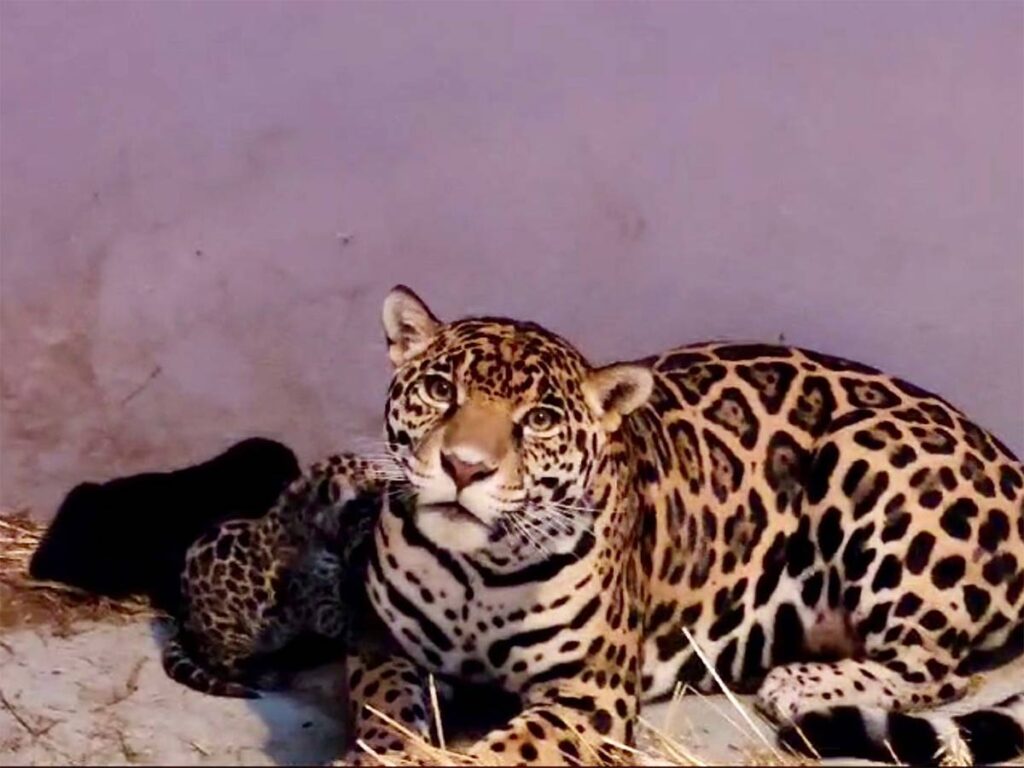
397, 688
575, 721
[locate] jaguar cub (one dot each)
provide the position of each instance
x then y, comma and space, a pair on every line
841, 541
252, 589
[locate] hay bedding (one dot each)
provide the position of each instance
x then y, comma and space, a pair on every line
26, 601
81, 683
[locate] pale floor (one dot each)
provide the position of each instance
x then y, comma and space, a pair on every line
99, 696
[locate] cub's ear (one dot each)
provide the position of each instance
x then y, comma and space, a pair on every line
408, 323
617, 390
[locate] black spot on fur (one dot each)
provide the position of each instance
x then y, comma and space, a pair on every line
977, 439
772, 565
903, 456
732, 412
854, 475
833, 587
753, 665
799, 550
851, 418
868, 440
857, 556
908, 605
896, 526
948, 571
785, 468
670, 643
727, 623
787, 635
695, 381
681, 360
913, 390
976, 601
602, 721
568, 749
876, 620
1010, 481
738, 352
919, 552
661, 613
935, 440
865, 500
839, 363
889, 573
999, 568
810, 593
726, 467
820, 474
851, 597
830, 533
956, 519
772, 381
994, 530
868, 394
933, 620
1013, 591
814, 407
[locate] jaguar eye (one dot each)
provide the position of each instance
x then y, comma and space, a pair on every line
540, 419
439, 388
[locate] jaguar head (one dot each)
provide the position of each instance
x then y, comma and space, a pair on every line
499, 426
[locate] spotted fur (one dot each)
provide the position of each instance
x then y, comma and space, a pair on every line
252, 589
843, 542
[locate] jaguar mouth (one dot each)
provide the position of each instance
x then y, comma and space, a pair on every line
452, 526
454, 512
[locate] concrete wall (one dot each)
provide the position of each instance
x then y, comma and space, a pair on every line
203, 204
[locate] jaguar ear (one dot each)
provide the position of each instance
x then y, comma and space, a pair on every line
408, 323
617, 390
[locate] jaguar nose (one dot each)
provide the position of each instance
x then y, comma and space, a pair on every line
464, 473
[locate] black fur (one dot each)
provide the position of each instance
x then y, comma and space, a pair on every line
129, 535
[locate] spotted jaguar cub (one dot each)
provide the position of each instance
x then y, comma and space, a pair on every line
841, 541
252, 588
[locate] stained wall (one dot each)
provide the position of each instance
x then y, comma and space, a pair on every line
203, 204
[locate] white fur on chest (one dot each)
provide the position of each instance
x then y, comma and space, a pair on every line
447, 618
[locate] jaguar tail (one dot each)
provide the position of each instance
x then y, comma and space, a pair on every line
992, 734
181, 667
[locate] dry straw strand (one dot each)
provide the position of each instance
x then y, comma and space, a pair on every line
437, 712
730, 695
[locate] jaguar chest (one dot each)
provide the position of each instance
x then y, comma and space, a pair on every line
468, 624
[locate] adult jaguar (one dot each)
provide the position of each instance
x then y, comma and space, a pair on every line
848, 543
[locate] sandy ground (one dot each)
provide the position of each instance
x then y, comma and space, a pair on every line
100, 696
97, 695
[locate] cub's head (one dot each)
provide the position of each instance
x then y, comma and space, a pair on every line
499, 425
